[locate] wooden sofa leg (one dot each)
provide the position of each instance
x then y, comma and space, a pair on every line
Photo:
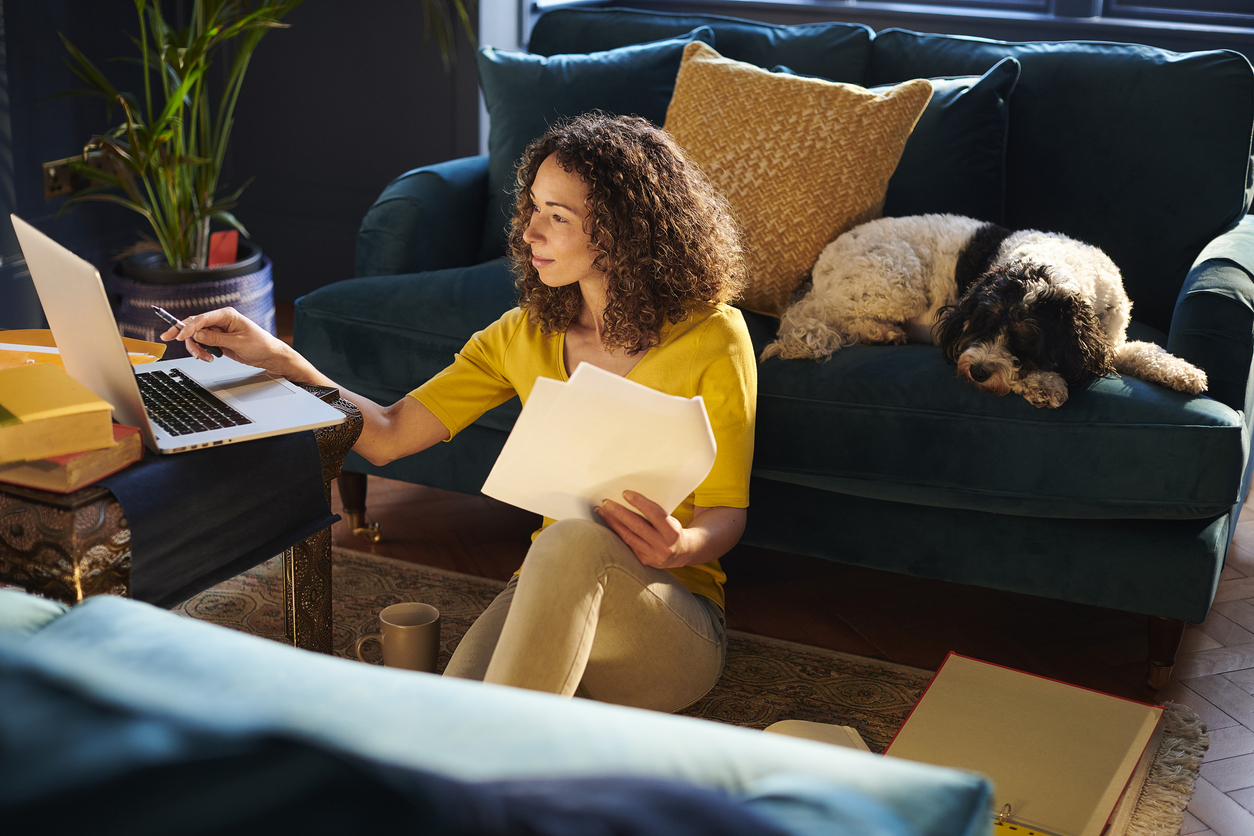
353, 496
1164, 640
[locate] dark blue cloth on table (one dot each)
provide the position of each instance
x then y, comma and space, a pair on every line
200, 517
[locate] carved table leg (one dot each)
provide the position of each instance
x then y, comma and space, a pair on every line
307, 592
1164, 640
307, 565
64, 546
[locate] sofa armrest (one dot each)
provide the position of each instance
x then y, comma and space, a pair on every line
429, 218
1213, 323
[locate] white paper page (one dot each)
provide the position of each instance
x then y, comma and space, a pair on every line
589, 439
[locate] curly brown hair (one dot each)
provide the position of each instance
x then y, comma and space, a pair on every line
664, 237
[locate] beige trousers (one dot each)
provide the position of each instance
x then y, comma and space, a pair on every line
585, 617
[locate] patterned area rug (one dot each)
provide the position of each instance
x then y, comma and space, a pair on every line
765, 680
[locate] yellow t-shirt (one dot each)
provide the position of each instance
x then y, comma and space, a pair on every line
708, 354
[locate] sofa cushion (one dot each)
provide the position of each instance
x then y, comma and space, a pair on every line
525, 94
800, 160
895, 423
836, 51
1140, 151
955, 160
22, 614
190, 676
145, 771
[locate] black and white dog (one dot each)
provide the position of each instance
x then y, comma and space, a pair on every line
1028, 312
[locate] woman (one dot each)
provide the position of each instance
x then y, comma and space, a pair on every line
625, 258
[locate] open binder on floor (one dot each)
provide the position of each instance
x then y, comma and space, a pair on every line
1060, 756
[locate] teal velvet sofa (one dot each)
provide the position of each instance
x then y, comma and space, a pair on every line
1126, 497
117, 717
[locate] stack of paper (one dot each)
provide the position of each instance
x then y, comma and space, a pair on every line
579, 443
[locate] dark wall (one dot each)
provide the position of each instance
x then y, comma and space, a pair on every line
35, 127
335, 107
348, 97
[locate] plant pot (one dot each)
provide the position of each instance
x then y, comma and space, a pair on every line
150, 267
246, 285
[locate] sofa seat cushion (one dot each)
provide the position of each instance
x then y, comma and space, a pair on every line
836, 51
895, 423
196, 775
1141, 151
22, 614
381, 336
195, 681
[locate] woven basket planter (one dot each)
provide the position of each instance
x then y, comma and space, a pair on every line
251, 293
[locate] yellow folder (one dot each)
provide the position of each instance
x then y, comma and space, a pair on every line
22, 347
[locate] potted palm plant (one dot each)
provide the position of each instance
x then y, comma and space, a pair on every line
164, 158
164, 161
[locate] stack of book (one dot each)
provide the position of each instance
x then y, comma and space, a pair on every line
55, 433
63, 474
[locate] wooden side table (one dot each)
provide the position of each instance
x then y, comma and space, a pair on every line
70, 546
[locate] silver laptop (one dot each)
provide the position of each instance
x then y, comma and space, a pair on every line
213, 403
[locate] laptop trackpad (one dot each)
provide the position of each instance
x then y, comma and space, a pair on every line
253, 388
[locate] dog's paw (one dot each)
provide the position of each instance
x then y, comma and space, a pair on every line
874, 332
1152, 363
1043, 389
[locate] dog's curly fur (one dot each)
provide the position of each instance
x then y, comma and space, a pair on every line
1028, 312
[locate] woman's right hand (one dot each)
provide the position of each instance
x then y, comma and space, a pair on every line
241, 339
387, 432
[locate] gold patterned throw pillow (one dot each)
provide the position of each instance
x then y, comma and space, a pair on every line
800, 160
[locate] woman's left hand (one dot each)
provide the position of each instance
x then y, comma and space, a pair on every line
655, 536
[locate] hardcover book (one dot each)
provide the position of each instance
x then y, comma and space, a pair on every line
45, 412
1059, 755
62, 474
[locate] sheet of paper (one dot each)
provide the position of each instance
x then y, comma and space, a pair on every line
578, 443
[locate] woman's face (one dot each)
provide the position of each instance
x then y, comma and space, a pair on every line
561, 248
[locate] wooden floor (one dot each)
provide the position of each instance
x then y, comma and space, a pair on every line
914, 622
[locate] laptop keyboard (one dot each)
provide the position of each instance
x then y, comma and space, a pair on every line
180, 405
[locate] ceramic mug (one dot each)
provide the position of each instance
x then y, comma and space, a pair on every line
410, 636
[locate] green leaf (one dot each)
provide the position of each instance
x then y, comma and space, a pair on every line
227, 218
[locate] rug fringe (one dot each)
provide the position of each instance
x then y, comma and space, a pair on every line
1160, 808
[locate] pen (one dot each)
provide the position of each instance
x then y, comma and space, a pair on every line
216, 351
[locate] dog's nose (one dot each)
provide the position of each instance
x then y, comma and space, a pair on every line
979, 374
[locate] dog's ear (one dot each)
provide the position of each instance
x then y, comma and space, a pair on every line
1096, 355
947, 332
953, 322
1074, 338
